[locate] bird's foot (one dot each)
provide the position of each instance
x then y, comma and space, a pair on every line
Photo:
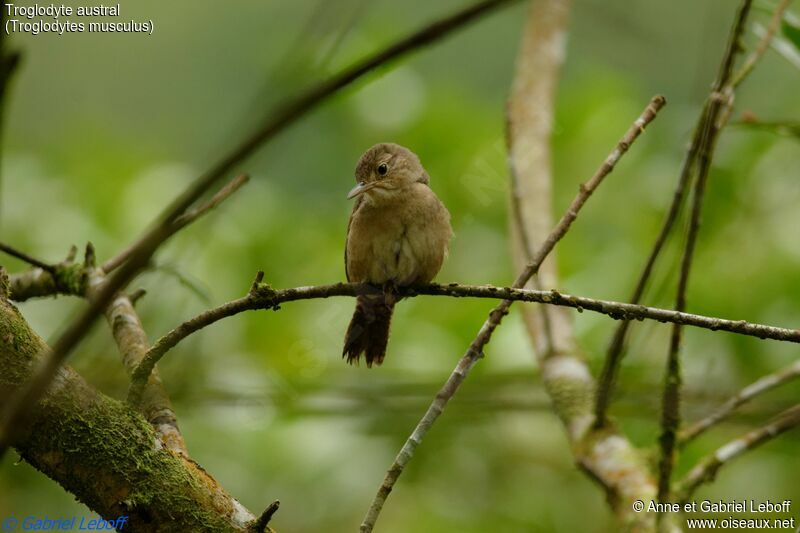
390, 292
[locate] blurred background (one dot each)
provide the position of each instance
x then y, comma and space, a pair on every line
103, 129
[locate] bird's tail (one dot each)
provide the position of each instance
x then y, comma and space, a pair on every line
368, 331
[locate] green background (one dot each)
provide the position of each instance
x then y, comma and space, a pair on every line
103, 129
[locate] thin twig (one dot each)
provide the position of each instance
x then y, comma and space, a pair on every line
785, 48
265, 297
141, 252
758, 387
787, 129
260, 525
185, 219
720, 99
616, 346
22, 256
707, 468
475, 350
763, 44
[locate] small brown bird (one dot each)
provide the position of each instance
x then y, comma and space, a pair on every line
397, 236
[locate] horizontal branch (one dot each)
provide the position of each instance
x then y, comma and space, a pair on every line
262, 296
760, 386
706, 470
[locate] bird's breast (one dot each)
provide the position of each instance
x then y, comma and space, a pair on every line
403, 242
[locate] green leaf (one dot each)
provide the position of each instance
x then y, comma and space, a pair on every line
790, 28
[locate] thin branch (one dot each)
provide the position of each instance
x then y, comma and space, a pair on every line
707, 468
763, 44
475, 350
785, 48
265, 297
615, 350
758, 387
132, 342
720, 100
185, 219
22, 256
260, 525
294, 109
787, 129
529, 123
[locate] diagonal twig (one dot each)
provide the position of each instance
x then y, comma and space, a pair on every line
261, 525
22, 256
707, 468
720, 99
185, 219
475, 350
758, 387
295, 108
758, 52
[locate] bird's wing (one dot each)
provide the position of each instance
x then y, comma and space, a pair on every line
350, 223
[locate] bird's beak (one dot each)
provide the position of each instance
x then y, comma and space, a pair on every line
359, 189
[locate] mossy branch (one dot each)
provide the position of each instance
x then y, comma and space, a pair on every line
106, 453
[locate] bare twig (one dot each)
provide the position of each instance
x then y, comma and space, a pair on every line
136, 295
475, 350
721, 98
185, 219
707, 468
785, 48
763, 44
22, 256
758, 387
145, 247
615, 349
787, 129
260, 525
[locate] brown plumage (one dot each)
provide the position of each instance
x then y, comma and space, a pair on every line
397, 236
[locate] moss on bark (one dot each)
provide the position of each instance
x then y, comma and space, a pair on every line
104, 452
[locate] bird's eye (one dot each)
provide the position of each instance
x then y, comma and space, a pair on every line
383, 168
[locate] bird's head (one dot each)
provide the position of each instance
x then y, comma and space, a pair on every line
385, 170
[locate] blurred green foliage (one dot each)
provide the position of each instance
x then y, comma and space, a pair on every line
102, 130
